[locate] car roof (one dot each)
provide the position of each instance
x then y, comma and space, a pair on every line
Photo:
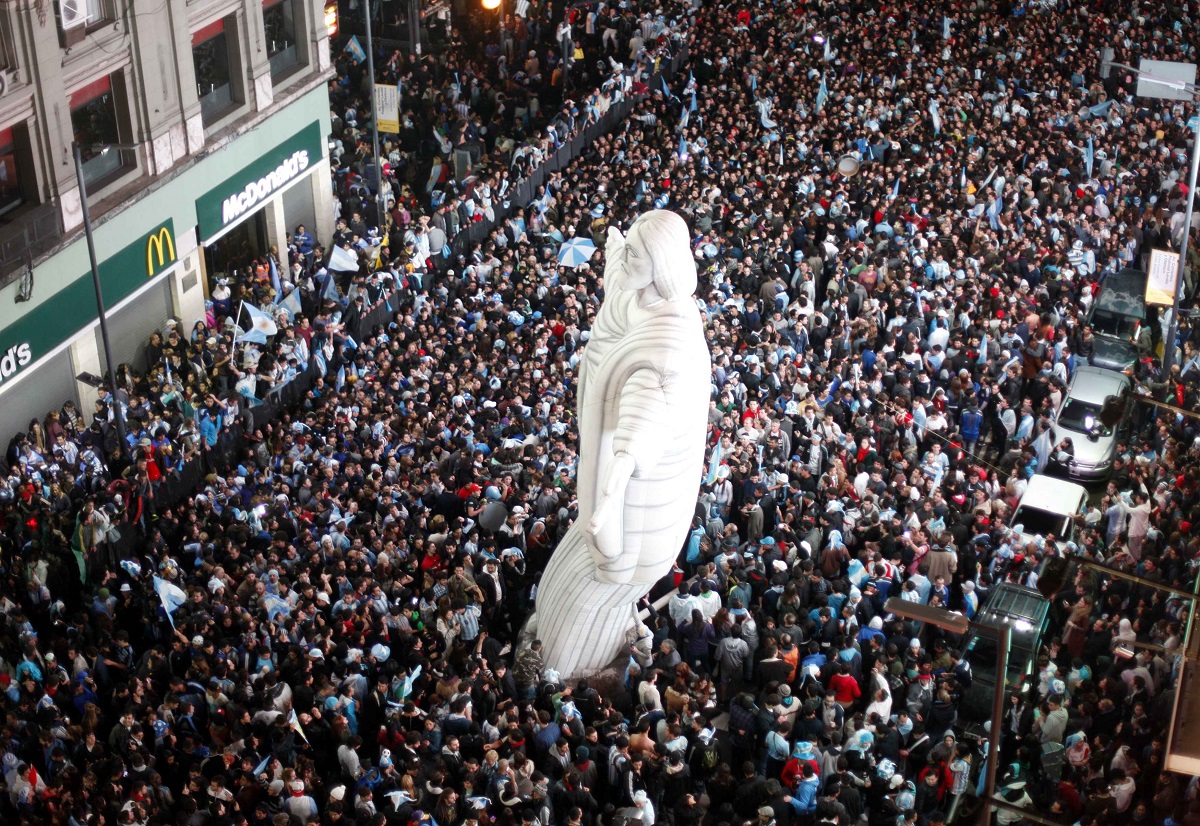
1124, 294
1095, 384
1016, 602
1052, 495
1013, 600
1043, 488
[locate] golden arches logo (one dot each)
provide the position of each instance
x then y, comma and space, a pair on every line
161, 245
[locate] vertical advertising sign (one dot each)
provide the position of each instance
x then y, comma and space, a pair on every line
1163, 278
387, 107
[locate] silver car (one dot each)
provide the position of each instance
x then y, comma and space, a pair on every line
1079, 419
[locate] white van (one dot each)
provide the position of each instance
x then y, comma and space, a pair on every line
1049, 506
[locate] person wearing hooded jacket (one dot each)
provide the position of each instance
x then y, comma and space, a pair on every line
1015, 794
802, 755
804, 801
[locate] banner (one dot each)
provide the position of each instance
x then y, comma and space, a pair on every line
387, 108
1163, 278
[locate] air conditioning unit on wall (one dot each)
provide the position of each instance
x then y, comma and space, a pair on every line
73, 13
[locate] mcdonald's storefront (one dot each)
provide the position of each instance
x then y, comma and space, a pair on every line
62, 341
153, 262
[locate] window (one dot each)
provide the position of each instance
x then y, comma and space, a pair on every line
1037, 522
95, 11
12, 195
7, 49
1082, 417
214, 86
279, 23
77, 16
96, 123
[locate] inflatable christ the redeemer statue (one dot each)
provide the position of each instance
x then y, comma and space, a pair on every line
644, 385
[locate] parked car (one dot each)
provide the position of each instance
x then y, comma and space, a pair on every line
1116, 318
1048, 507
1027, 612
1078, 418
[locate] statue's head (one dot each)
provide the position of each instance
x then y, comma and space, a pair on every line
658, 256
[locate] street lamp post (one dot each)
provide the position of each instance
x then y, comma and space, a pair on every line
959, 624
1173, 327
1175, 88
498, 7
380, 202
118, 411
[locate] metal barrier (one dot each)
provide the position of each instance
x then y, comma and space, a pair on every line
231, 443
467, 237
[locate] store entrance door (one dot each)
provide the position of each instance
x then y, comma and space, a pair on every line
231, 254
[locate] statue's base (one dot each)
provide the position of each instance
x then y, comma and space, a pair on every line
611, 674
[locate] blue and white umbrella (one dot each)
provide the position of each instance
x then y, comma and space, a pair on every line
576, 251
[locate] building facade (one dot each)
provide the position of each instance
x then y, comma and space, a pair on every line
203, 128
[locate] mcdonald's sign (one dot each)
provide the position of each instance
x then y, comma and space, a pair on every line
160, 250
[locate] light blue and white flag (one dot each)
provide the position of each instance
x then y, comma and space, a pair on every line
936, 116
1089, 156
330, 291
399, 798
275, 277
171, 595
291, 305
407, 688
945, 27
714, 463
276, 607
252, 337
342, 260
1041, 449
259, 321
355, 49
294, 722
822, 94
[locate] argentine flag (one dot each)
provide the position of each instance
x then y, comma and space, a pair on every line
260, 321
172, 596
291, 305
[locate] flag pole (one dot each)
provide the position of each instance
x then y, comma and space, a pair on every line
237, 325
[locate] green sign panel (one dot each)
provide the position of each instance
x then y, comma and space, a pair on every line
241, 194
73, 308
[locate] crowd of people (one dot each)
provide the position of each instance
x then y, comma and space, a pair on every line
538, 83
326, 629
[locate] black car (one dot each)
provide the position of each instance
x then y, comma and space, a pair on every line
1027, 612
1116, 318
